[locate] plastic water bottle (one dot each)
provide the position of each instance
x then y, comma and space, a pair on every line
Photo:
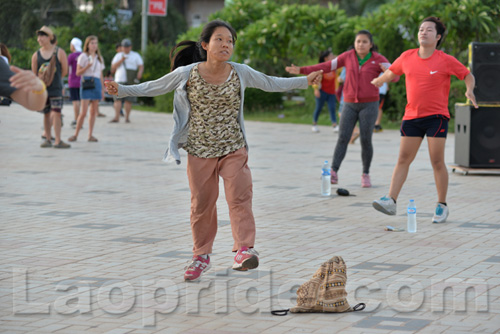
412, 217
326, 186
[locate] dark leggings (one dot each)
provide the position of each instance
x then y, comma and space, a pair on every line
366, 114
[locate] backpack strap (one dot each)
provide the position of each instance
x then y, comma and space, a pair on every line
280, 312
359, 307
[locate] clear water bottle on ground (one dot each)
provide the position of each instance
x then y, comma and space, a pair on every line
412, 217
326, 187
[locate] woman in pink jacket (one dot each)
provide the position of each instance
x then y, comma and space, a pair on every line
361, 98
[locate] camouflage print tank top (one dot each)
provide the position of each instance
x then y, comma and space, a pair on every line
214, 130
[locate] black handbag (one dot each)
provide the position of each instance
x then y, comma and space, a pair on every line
88, 83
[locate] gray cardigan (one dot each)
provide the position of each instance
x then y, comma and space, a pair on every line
177, 80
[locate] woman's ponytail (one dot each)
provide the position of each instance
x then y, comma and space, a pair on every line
185, 53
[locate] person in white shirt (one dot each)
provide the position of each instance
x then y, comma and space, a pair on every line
89, 66
128, 67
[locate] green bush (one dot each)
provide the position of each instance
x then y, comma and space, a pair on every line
394, 106
457, 94
257, 99
21, 57
165, 102
156, 64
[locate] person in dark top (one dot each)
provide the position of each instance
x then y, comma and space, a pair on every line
39, 62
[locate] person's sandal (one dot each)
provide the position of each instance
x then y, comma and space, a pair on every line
93, 139
62, 145
46, 143
72, 138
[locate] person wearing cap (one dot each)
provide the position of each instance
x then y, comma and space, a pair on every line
128, 67
73, 79
39, 61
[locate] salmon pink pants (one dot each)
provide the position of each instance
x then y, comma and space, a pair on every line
203, 175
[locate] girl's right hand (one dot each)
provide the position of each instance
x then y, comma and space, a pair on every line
111, 87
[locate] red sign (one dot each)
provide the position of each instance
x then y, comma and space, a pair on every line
157, 8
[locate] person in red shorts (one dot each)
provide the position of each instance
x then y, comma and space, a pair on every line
428, 73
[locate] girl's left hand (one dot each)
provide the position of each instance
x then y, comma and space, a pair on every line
314, 78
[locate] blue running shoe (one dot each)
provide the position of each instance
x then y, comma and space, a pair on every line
441, 214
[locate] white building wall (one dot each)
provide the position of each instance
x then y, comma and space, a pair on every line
197, 11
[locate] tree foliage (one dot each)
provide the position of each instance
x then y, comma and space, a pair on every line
295, 33
21, 18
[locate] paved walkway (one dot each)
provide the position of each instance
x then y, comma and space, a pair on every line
94, 239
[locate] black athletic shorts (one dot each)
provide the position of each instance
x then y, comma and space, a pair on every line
432, 126
74, 94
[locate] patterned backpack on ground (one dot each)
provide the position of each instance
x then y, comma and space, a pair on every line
325, 291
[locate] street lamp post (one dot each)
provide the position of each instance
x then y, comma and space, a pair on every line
144, 30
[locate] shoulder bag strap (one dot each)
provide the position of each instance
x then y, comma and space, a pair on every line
280, 312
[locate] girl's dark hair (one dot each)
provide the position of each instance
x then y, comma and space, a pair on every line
370, 37
324, 54
440, 27
188, 52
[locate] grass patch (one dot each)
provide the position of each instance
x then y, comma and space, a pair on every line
146, 108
